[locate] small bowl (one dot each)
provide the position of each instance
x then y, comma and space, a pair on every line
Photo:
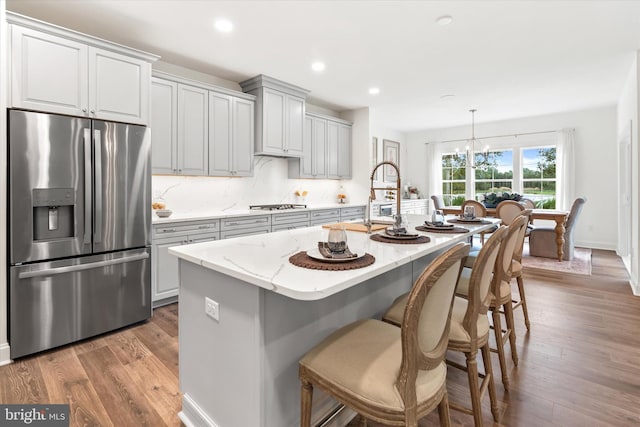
164, 213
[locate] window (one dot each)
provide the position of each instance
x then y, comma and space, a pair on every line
494, 172
529, 171
539, 177
454, 180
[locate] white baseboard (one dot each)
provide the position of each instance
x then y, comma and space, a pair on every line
5, 356
592, 244
192, 415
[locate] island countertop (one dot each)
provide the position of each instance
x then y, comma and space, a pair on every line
263, 260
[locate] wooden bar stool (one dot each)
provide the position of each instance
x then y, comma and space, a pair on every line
391, 375
469, 330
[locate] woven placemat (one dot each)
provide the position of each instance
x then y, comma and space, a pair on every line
444, 230
301, 259
382, 238
459, 221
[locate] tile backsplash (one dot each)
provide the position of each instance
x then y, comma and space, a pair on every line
270, 184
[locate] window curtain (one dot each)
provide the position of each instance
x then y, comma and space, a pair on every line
434, 165
565, 161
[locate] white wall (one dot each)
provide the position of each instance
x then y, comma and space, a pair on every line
595, 150
628, 112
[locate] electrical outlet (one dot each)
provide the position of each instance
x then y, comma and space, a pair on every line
211, 308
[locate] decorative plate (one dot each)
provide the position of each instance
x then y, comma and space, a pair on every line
315, 254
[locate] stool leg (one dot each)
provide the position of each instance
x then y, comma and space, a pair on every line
497, 329
508, 311
443, 411
474, 388
523, 300
488, 375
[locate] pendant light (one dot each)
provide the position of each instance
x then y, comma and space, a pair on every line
471, 148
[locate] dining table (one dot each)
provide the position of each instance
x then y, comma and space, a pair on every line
559, 216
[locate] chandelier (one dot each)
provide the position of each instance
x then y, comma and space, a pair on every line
471, 148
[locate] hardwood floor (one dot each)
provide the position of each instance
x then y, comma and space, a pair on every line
579, 365
125, 378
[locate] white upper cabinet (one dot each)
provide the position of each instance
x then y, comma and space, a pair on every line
118, 87
61, 71
164, 126
231, 135
200, 129
279, 116
344, 151
193, 130
339, 150
313, 163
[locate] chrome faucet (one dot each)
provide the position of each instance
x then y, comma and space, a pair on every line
372, 195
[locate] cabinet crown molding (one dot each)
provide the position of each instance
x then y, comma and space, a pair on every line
262, 80
45, 27
190, 82
330, 118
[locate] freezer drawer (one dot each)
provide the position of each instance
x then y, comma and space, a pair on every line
58, 302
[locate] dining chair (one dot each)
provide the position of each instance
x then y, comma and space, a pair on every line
481, 211
469, 331
501, 300
392, 375
438, 202
508, 210
542, 240
528, 203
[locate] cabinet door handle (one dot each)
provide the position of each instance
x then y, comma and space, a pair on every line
84, 110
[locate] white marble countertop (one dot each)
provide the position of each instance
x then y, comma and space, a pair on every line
177, 216
263, 260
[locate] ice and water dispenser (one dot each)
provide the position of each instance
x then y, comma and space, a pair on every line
53, 210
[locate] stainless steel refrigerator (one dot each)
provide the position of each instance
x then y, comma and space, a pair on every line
79, 229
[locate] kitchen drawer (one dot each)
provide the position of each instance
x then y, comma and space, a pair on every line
352, 213
235, 223
173, 229
290, 217
247, 231
289, 226
325, 213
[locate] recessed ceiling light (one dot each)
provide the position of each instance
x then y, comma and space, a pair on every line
223, 25
317, 66
444, 20
374, 91
447, 96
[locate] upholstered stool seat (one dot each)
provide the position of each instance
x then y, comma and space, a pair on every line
364, 360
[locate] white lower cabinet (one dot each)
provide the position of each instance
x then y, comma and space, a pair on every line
245, 226
352, 213
325, 216
290, 221
164, 272
414, 206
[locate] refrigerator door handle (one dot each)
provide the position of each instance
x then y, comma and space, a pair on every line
97, 238
81, 267
87, 186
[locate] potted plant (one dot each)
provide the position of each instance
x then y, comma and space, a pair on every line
491, 200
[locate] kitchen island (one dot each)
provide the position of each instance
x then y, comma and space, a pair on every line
242, 369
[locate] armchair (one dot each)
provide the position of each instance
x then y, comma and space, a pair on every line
542, 240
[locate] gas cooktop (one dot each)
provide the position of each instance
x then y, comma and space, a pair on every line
279, 207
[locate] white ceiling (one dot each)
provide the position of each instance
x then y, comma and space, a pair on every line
508, 59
